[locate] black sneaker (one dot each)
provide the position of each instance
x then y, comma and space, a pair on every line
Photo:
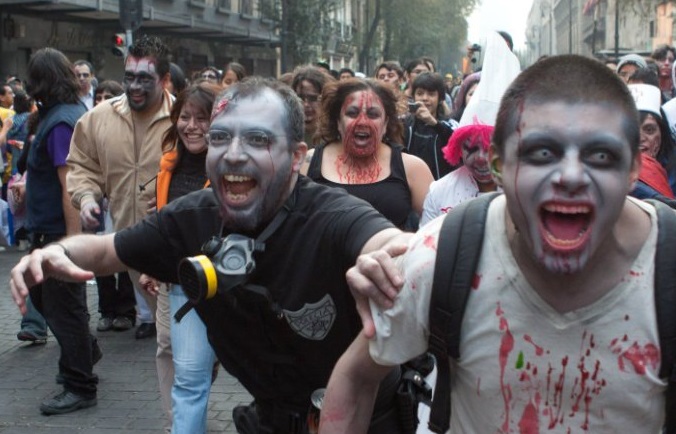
66, 402
146, 330
27, 336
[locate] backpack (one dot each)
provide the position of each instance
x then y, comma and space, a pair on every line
460, 241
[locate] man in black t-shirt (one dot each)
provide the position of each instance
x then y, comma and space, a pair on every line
282, 339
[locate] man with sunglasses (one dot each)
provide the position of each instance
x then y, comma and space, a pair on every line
85, 76
282, 327
115, 151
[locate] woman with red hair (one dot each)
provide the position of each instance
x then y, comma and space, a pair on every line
469, 144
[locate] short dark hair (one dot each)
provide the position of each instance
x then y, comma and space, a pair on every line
81, 62
3, 88
390, 65
254, 85
661, 51
152, 46
346, 70
22, 102
110, 86
410, 66
569, 79
177, 78
334, 96
311, 74
645, 75
51, 78
433, 82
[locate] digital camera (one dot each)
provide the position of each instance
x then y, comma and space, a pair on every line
225, 264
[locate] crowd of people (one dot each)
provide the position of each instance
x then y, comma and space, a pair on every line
288, 229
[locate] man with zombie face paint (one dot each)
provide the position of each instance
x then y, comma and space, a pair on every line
116, 151
282, 339
559, 331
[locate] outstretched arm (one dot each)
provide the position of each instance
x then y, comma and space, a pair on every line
351, 392
74, 259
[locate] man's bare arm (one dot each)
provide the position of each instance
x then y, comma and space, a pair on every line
352, 389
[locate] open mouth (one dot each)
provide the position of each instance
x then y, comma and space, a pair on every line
194, 136
565, 226
238, 188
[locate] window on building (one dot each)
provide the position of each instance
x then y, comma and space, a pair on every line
225, 4
246, 7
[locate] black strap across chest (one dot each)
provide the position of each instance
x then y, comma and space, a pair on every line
458, 252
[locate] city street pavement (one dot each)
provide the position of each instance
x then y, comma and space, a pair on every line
128, 397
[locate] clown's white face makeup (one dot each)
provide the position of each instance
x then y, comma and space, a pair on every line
476, 159
566, 180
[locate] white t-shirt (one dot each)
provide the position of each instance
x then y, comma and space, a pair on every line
448, 192
524, 367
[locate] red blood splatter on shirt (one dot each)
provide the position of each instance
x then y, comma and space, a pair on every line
555, 414
530, 422
538, 349
476, 281
634, 273
506, 347
429, 241
446, 209
638, 357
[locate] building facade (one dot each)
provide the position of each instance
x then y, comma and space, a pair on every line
599, 28
198, 32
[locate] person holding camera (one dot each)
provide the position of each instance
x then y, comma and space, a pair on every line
427, 128
270, 288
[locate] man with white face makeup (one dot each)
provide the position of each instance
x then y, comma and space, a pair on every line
115, 151
559, 331
281, 342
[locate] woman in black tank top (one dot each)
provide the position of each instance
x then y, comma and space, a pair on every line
358, 125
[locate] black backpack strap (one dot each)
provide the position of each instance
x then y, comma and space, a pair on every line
458, 250
665, 305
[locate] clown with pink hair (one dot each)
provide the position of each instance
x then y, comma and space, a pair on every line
471, 145
471, 142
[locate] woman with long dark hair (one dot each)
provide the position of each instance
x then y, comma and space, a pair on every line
361, 151
50, 217
182, 171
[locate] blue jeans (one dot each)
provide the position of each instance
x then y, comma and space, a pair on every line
33, 321
193, 364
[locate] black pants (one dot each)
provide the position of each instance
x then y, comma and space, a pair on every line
64, 307
116, 296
